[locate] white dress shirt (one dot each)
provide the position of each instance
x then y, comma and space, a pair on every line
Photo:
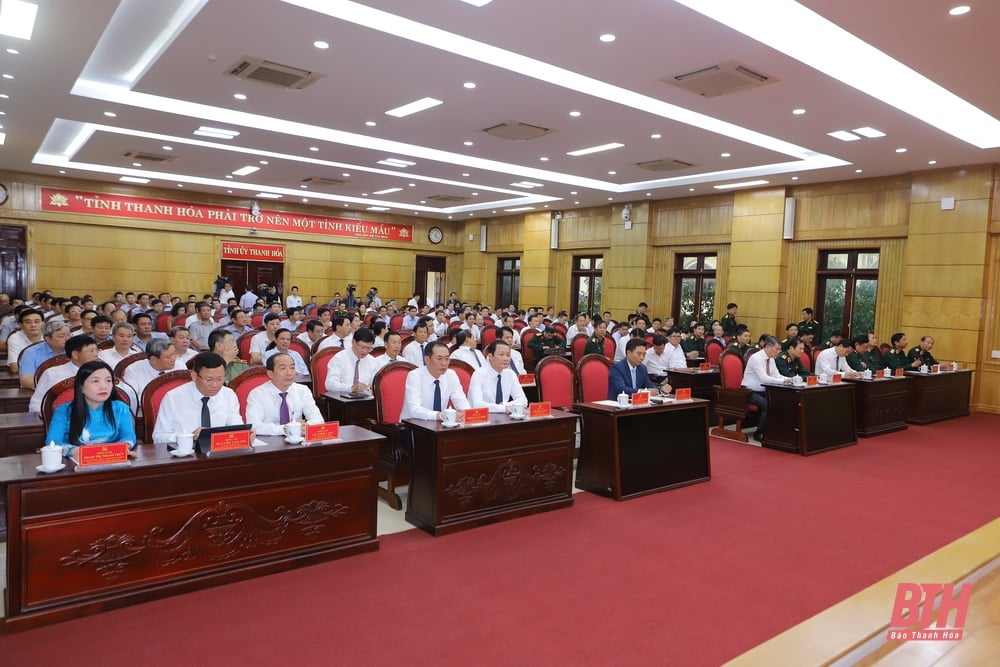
620, 347
51, 376
180, 411
340, 370
827, 361
259, 343
483, 389
111, 357
264, 408
293, 301
469, 355
300, 364
574, 331
419, 396
517, 362
657, 364
16, 343
761, 370
413, 353
675, 356
333, 340
141, 373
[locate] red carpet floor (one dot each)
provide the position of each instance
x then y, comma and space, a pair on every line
693, 576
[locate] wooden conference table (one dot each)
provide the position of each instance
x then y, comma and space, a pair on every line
880, 404
937, 396
628, 452
467, 476
810, 419
84, 542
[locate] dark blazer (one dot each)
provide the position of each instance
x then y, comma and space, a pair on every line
620, 379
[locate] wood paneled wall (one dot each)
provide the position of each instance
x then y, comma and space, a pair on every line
869, 208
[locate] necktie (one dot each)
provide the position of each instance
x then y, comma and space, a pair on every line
437, 396
357, 371
341, 343
838, 362
634, 386
476, 357
206, 414
514, 367
769, 365
499, 391
283, 416
423, 357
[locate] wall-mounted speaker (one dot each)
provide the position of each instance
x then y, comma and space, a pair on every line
482, 237
788, 231
554, 233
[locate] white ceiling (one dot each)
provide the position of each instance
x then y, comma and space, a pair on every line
160, 66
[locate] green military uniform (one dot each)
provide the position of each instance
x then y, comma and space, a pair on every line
815, 325
542, 347
925, 358
873, 360
790, 367
826, 345
691, 344
896, 358
853, 360
234, 368
729, 325
742, 349
594, 346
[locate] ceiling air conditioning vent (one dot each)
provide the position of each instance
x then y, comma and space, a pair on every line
148, 157
721, 79
666, 164
272, 73
447, 199
318, 182
516, 131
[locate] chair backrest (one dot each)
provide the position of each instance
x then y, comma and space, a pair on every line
815, 356
610, 347
179, 321
152, 397
126, 362
731, 369
578, 345
57, 360
389, 388
488, 335
301, 348
464, 372
163, 322
713, 350
454, 326
519, 324
649, 339
59, 393
246, 382
243, 345
395, 322
555, 378
806, 362
106, 344
592, 378
526, 336
561, 328
318, 367
257, 320
749, 353
25, 349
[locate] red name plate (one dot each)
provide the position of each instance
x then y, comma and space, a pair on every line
540, 409
837, 377
101, 455
683, 394
899, 372
526, 378
640, 398
936, 368
477, 415
327, 431
812, 380
225, 442
705, 367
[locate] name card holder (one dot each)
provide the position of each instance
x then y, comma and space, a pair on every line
526, 378
683, 394
543, 409
640, 398
229, 442
475, 416
322, 432
107, 455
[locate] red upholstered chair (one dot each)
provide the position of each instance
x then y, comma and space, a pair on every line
301, 348
577, 346
749, 353
179, 321
561, 329
526, 352
106, 345
453, 327
51, 362
126, 362
610, 346
318, 367
62, 392
713, 350
464, 372
246, 382
815, 355
257, 320
152, 397
555, 378
163, 322
731, 399
519, 324
649, 340
488, 335
395, 323
592, 378
806, 362
388, 389
243, 345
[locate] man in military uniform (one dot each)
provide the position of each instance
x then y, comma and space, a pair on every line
807, 336
808, 321
694, 345
859, 345
789, 363
728, 321
832, 341
791, 331
741, 343
922, 353
872, 357
896, 357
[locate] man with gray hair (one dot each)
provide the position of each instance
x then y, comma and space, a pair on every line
161, 357
122, 334
762, 370
54, 337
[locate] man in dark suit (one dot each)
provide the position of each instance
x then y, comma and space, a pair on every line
629, 375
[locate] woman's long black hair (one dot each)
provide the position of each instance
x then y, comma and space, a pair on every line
79, 410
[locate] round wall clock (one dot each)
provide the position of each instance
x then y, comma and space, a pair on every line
435, 235
3, 194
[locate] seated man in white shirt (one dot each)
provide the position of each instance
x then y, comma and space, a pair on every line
295, 316
161, 357
341, 336
293, 300
353, 369
206, 402
393, 347
762, 370
314, 331
508, 336
833, 360
431, 386
264, 404
122, 334
660, 359
582, 326
80, 350
282, 345
466, 350
415, 351
637, 332
410, 319
180, 337
495, 385
260, 341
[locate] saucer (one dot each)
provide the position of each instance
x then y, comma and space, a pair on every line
518, 417
294, 441
446, 425
174, 452
44, 469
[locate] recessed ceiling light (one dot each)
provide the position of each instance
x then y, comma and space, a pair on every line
229, 192
744, 184
216, 133
467, 143
264, 162
346, 205
320, 44
612, 173
573, 193
932, 162
607, 38
13, 52
346, 175
417, 106
477, 3
364, 194
239, 96
858, 171
62, 171
109, 114
8, 76
17, 18
304, 186
725, 154
475, 194
649, 194
396, 162
268, 195
136, 164
305, 200
611, 198
543, 159
370, 123
423, 201
133, 179
655, 136
795, 178
595, 149
244, 171
313, 148
167, 148
869, 132
466, 175
576, 202
900, 150
180, 185
690, 189
527, 184
412, 185
469, 84
844, 135
574, 114
959, 10
798, 112
229, 176
377, 208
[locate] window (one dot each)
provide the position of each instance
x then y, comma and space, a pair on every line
694, 288
588, 272
846, 286
508, 281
